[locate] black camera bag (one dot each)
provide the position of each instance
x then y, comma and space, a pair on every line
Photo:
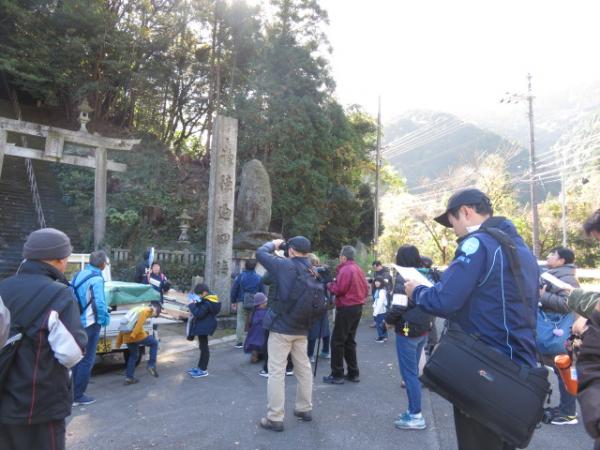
488, 386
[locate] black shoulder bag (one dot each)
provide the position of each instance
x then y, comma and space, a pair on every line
487, 385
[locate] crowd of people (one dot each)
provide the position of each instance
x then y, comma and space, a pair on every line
491, 296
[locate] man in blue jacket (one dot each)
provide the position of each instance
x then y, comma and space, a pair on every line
89, 290
479, 293
246, 283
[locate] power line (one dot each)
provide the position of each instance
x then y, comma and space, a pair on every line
418, 144
421, 131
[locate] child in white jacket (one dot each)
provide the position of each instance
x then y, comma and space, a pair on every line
380, 309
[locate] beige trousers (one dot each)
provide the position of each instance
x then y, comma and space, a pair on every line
279, 346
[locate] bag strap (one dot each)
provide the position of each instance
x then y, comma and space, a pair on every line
78, 285
507, 244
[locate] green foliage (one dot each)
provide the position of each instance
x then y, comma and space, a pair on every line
163, 69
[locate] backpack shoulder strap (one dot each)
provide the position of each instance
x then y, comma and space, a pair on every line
87, 277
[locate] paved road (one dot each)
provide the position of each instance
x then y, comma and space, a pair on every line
222, 410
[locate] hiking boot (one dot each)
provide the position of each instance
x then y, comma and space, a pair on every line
129, 381
264, 373
305, 416
152, 371
411, 422
84, 400
271, 424
563, 419
239, 345
199, 374
330, 379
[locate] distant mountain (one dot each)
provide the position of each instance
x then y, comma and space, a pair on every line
425, 145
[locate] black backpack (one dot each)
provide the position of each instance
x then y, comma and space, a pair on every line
307, 300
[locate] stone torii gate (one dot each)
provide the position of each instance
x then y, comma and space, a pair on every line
55, 139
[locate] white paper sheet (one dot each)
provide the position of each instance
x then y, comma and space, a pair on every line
555, 281
410, 273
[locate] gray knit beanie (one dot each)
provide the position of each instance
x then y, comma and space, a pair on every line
348, 251
47, 243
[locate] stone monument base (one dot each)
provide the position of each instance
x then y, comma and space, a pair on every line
251, 240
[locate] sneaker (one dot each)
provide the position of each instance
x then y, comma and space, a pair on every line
381, 340
84, 400
312, 359
129, 381
264, 373
330, 379
152, 371
192, 370
325, 355
305, 416
239, 345
199, 374
411, 422
563, 419
353, 378
271, 424
289, 373
405, 415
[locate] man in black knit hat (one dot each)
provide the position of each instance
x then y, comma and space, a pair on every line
36, 395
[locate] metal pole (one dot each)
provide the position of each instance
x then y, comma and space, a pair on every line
377, 170
563, 201
533, 185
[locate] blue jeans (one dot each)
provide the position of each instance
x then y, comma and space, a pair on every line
148, 341
409, 352
83, 370
380, 326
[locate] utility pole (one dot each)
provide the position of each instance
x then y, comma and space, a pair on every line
563, 204
517, 98
377, 176
533, 185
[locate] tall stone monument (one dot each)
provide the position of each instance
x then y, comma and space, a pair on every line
253, 208
221, 197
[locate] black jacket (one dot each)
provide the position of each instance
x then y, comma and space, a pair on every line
415, 319
38, 386
284, 271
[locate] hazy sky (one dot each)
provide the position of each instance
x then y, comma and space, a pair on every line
457, 55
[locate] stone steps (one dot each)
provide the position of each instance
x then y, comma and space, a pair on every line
17, 213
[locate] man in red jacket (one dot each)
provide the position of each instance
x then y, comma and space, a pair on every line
350, 290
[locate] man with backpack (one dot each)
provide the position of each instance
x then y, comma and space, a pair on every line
288, 321
35, 385
486, 295
245, 285
88, 285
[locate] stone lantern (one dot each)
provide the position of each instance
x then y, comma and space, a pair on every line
184, 226
84, 114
